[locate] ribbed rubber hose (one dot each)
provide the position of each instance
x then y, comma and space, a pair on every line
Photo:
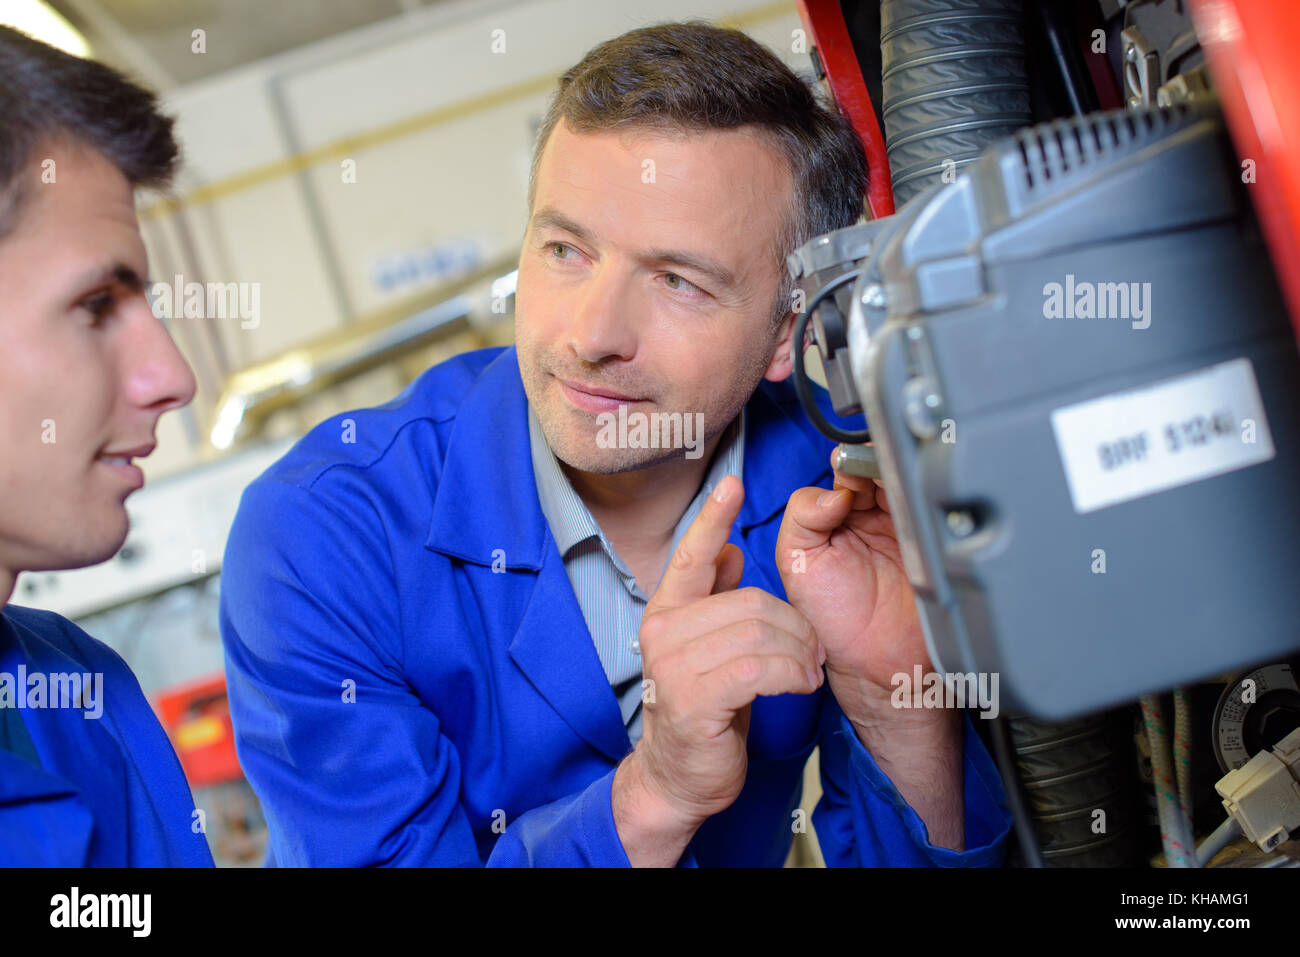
1077, 777
953, 81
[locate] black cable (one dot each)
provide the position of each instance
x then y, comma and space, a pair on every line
801, 386
1015, 796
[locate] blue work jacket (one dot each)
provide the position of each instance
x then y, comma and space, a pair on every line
109, 791
412, 681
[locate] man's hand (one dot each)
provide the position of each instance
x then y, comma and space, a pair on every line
707, 650
839, 560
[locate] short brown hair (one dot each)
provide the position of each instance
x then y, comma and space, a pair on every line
694, 76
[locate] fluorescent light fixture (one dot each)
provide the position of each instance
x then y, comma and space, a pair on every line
41, 22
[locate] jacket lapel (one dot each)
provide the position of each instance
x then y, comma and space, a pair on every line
486, 507
554, 649
44, 820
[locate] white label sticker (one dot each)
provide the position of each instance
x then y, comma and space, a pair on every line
1130, 444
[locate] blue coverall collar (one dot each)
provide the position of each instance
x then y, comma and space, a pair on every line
66, 840
486, 510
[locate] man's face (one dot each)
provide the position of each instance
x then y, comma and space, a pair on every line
648, 275
86, 370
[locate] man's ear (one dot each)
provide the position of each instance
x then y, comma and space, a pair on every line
781, 365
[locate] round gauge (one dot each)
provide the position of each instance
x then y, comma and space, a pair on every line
1255, 712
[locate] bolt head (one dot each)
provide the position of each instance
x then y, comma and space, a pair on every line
961, 522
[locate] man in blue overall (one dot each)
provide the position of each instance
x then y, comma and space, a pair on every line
87, 776
526, 614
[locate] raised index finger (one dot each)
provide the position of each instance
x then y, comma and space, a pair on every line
692, 569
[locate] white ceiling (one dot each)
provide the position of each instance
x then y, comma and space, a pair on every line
152, 39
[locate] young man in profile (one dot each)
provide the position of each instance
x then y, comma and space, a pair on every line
483, 632
87, 776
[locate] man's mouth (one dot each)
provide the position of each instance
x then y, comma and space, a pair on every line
590, 398
121, 462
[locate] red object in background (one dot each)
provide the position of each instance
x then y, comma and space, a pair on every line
830, 35
1250, 46
196, 717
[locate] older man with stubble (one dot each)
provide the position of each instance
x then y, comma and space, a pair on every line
482, 633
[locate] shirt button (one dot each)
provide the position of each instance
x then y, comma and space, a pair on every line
635, 645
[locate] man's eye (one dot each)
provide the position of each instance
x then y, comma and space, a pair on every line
100, 306
676, 282
558, 245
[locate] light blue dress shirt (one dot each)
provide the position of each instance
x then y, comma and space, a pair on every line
607, 591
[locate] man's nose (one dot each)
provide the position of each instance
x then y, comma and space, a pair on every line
600, 325
157, 376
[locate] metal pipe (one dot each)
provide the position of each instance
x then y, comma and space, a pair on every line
375, 339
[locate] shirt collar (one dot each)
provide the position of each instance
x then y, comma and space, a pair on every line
570, 520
